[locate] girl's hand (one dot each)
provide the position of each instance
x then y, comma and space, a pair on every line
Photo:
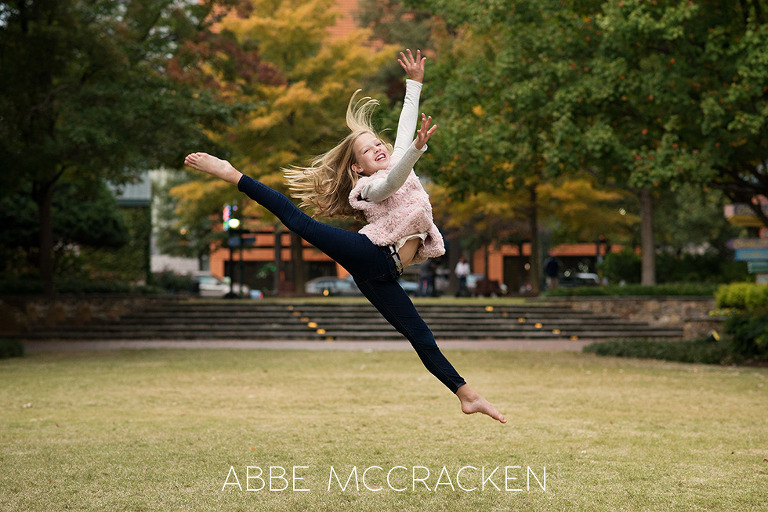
425, 132
414, 68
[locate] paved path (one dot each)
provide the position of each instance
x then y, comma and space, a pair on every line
55, 346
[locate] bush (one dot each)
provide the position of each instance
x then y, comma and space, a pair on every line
621, 266
21, 286
626, 266
636, 290
748, 335
748, 297
702, 351
746, 326
172, 282
11, 348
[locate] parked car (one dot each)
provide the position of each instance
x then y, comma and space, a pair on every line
208, 285
410, 287
332, 287
572, 280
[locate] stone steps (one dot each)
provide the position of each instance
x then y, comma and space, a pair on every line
261, 320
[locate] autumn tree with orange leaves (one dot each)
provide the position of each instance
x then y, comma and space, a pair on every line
293, 102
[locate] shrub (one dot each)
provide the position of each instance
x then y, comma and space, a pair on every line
22, 286
11, 348
748, 335
622, 266
701, 351
742, 296
746, 305
671, 267
636, 290
172, 282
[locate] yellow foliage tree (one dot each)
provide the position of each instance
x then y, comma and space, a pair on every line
576, 209
286, 122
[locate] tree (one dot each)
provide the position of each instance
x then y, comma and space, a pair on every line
676, 94
711, 77
393, 23
83, 213
499, 73
292, 119
85, 94
643, 95
572, 209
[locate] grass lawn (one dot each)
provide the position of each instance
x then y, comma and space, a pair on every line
157, 430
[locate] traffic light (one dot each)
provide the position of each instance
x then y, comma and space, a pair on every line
229, 219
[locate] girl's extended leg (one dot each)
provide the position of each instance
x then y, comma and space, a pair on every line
389, 298
351, 250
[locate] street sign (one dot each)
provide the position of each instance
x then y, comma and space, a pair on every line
742, 214
751, 255
747, 243
757, 267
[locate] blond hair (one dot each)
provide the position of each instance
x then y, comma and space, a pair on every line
325, 185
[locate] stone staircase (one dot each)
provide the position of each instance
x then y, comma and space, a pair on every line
351, 321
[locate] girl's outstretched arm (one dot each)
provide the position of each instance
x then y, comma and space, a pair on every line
409, 115
425, 132
414, 68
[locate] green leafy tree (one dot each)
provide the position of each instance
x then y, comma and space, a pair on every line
84, 213
86, 93
644, 95
500, 70
393, 23
675, 94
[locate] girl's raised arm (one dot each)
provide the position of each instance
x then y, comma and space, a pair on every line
406, 126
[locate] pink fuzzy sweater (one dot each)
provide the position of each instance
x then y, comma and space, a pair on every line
407, 210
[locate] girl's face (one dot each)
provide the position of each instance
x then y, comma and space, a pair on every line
371, 155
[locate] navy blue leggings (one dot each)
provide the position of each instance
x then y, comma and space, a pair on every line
372, 269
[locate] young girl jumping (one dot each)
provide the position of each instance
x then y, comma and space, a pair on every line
362, 176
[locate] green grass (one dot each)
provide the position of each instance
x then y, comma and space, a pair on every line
158, 430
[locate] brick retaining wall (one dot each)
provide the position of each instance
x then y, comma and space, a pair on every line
18, 312
690, 313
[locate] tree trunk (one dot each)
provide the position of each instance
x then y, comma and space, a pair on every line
453, 253
45, 257
278, 262
648, 276
297, 258
533, 219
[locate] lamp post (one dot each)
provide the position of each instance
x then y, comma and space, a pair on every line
232, 226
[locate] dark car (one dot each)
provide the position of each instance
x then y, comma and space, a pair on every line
579, 279
332, 287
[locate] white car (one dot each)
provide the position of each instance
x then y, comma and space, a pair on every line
208, 285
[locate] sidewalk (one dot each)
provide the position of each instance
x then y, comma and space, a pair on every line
60, 346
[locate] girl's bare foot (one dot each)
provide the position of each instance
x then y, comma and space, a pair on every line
472, 402
213, 166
